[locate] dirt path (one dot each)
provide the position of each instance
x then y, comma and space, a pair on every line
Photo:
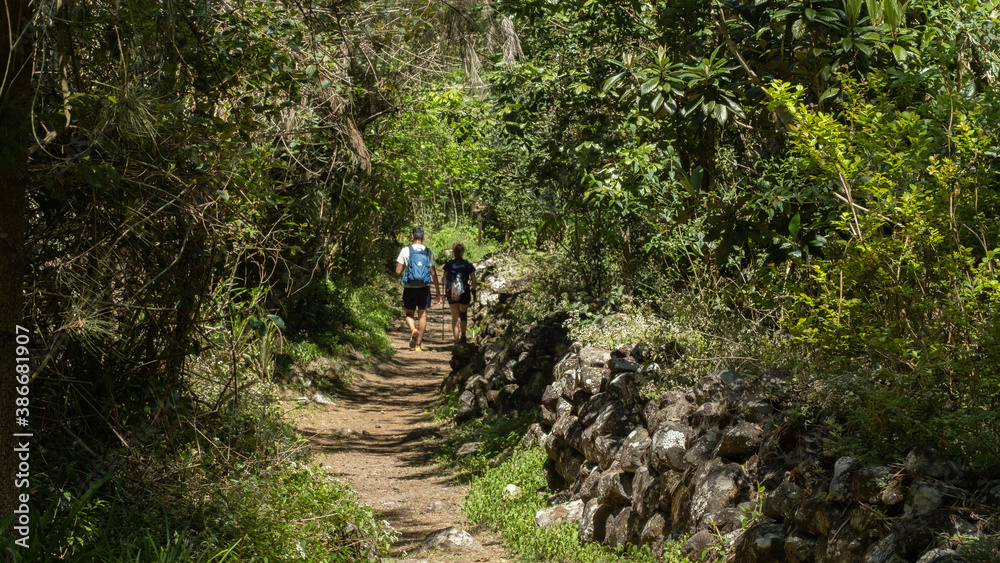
390, 463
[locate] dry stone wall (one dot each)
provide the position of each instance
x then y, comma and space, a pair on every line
717, 463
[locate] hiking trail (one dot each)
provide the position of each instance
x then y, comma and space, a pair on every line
390, 462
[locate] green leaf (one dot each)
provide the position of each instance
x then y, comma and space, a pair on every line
657, 102
810, 14
830, 92
793, 225
696, 175
310, 70
648, 85
611, 81
899, 53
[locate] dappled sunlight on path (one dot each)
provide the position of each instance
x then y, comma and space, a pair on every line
380, 437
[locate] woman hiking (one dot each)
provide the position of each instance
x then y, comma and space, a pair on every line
460, 283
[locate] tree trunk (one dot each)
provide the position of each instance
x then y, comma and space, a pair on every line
16, 56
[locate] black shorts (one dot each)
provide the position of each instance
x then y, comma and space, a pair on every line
416, 298
464, 299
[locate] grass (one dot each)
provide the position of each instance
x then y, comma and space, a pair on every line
514, 518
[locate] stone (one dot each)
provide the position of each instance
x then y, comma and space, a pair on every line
883, 551
626, 388
591, 485
635, 449
345, 434
800, 548
715, 487
566, 512
323, 398
467, 407
708, 389
758, 411
931, 463
548, 415
534, 435
568, 365
861, 518
654, 529
463, 355
815, 516
589, 410
615, 487
762, 543
941, 555
606, 450
553, 392
701, 546
846, 544
468, 449
780, 503
553, 479
741, 440
594, 356
569, 429
568, 464
591, 379
667, 448
510, 491
611, 420
912, 535
593, 522
451, 539
617, 527
710, 415
510, 399
922, 498
677, 408
621, 365
877, 484
645, 491
840, 484
700, 451
563, 407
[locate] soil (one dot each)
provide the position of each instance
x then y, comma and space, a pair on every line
389, 463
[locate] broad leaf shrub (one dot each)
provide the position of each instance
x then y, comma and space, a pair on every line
327, 316
901, 312
514, 517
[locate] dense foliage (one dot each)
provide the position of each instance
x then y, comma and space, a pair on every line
826, 168
206, 180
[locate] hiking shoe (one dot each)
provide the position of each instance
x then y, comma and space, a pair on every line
417, 349
413, 339
464, 341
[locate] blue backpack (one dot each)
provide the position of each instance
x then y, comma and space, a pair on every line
419, 269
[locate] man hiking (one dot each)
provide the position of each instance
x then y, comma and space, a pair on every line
416, 263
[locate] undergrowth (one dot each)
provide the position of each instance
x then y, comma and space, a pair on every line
327, 318
498, 435
215, 473
486, 505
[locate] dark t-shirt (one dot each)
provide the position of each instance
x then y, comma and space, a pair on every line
462, 268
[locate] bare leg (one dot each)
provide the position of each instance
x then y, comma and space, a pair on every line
454, 320
421, 324
409, 320
464, 323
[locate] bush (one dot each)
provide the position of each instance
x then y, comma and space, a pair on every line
327, 315
441, 239
901, 311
